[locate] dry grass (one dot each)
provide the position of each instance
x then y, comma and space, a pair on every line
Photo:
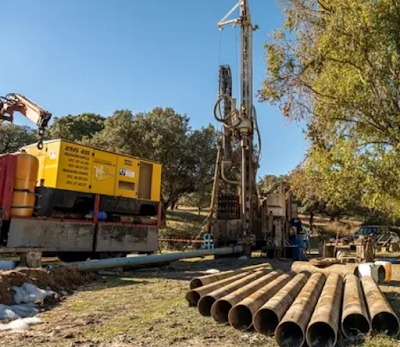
328, 229
147, 308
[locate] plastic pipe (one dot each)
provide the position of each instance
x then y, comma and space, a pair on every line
94, 265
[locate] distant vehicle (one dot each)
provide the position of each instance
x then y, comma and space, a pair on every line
381, 233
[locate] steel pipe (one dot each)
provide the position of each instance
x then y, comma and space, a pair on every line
221, 307
205, 303
94, 265
383, 318
270, 314
355, 319
323, 328
241, 315
193, 296
207, 279
291, 330
343, 270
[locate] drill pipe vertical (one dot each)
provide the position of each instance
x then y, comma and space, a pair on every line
268, 316
383, 318
207, 279
221, 307
355, 319
324, 325
241, 315
291, 330
206, 301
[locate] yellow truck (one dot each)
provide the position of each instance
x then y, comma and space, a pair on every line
89, 203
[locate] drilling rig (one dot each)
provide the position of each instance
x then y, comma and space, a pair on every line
237, 211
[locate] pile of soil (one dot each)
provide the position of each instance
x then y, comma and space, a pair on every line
57, 279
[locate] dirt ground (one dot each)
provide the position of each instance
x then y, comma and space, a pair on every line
147, 308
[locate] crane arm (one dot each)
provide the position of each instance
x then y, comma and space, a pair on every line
18, 103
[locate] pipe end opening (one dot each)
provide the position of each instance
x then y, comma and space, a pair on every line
387, 323
192, 298
195, 283
265, 322
355, 325
381, 273
289, 334
220, 311
204, 305
240, 317
321, 335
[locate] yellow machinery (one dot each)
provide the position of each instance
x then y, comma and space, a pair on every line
70, 166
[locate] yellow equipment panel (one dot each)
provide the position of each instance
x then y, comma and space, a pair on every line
74, 167
127, 175
70, 166
103, 172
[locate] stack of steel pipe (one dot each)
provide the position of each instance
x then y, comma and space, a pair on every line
207, 279
298, 308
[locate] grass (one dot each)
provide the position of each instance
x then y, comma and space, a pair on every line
147, 308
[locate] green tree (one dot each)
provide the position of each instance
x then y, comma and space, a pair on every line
13, 137
335, 65
270, 183
76, 128
164, 136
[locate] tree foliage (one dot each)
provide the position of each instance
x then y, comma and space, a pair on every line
163, 135
76, 128
13, 137
269, 183
335, 65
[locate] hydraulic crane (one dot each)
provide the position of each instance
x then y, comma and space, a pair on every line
239, 156
18, 103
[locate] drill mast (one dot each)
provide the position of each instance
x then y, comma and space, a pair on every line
239, 124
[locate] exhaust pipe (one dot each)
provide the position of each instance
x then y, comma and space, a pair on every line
207, 279
324, 325
193, 296
221, 307
206, 301
343, 270
241, 315
291, 330
383, 318
268, 316
355, 319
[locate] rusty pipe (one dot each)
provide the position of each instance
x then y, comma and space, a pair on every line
206, 301
193, 296
241, 315
355, 319
383, 318
323, 328
341, 269
207, 279
221, 307
291, 330
270, 314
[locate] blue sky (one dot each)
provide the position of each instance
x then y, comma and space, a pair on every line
75, 56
